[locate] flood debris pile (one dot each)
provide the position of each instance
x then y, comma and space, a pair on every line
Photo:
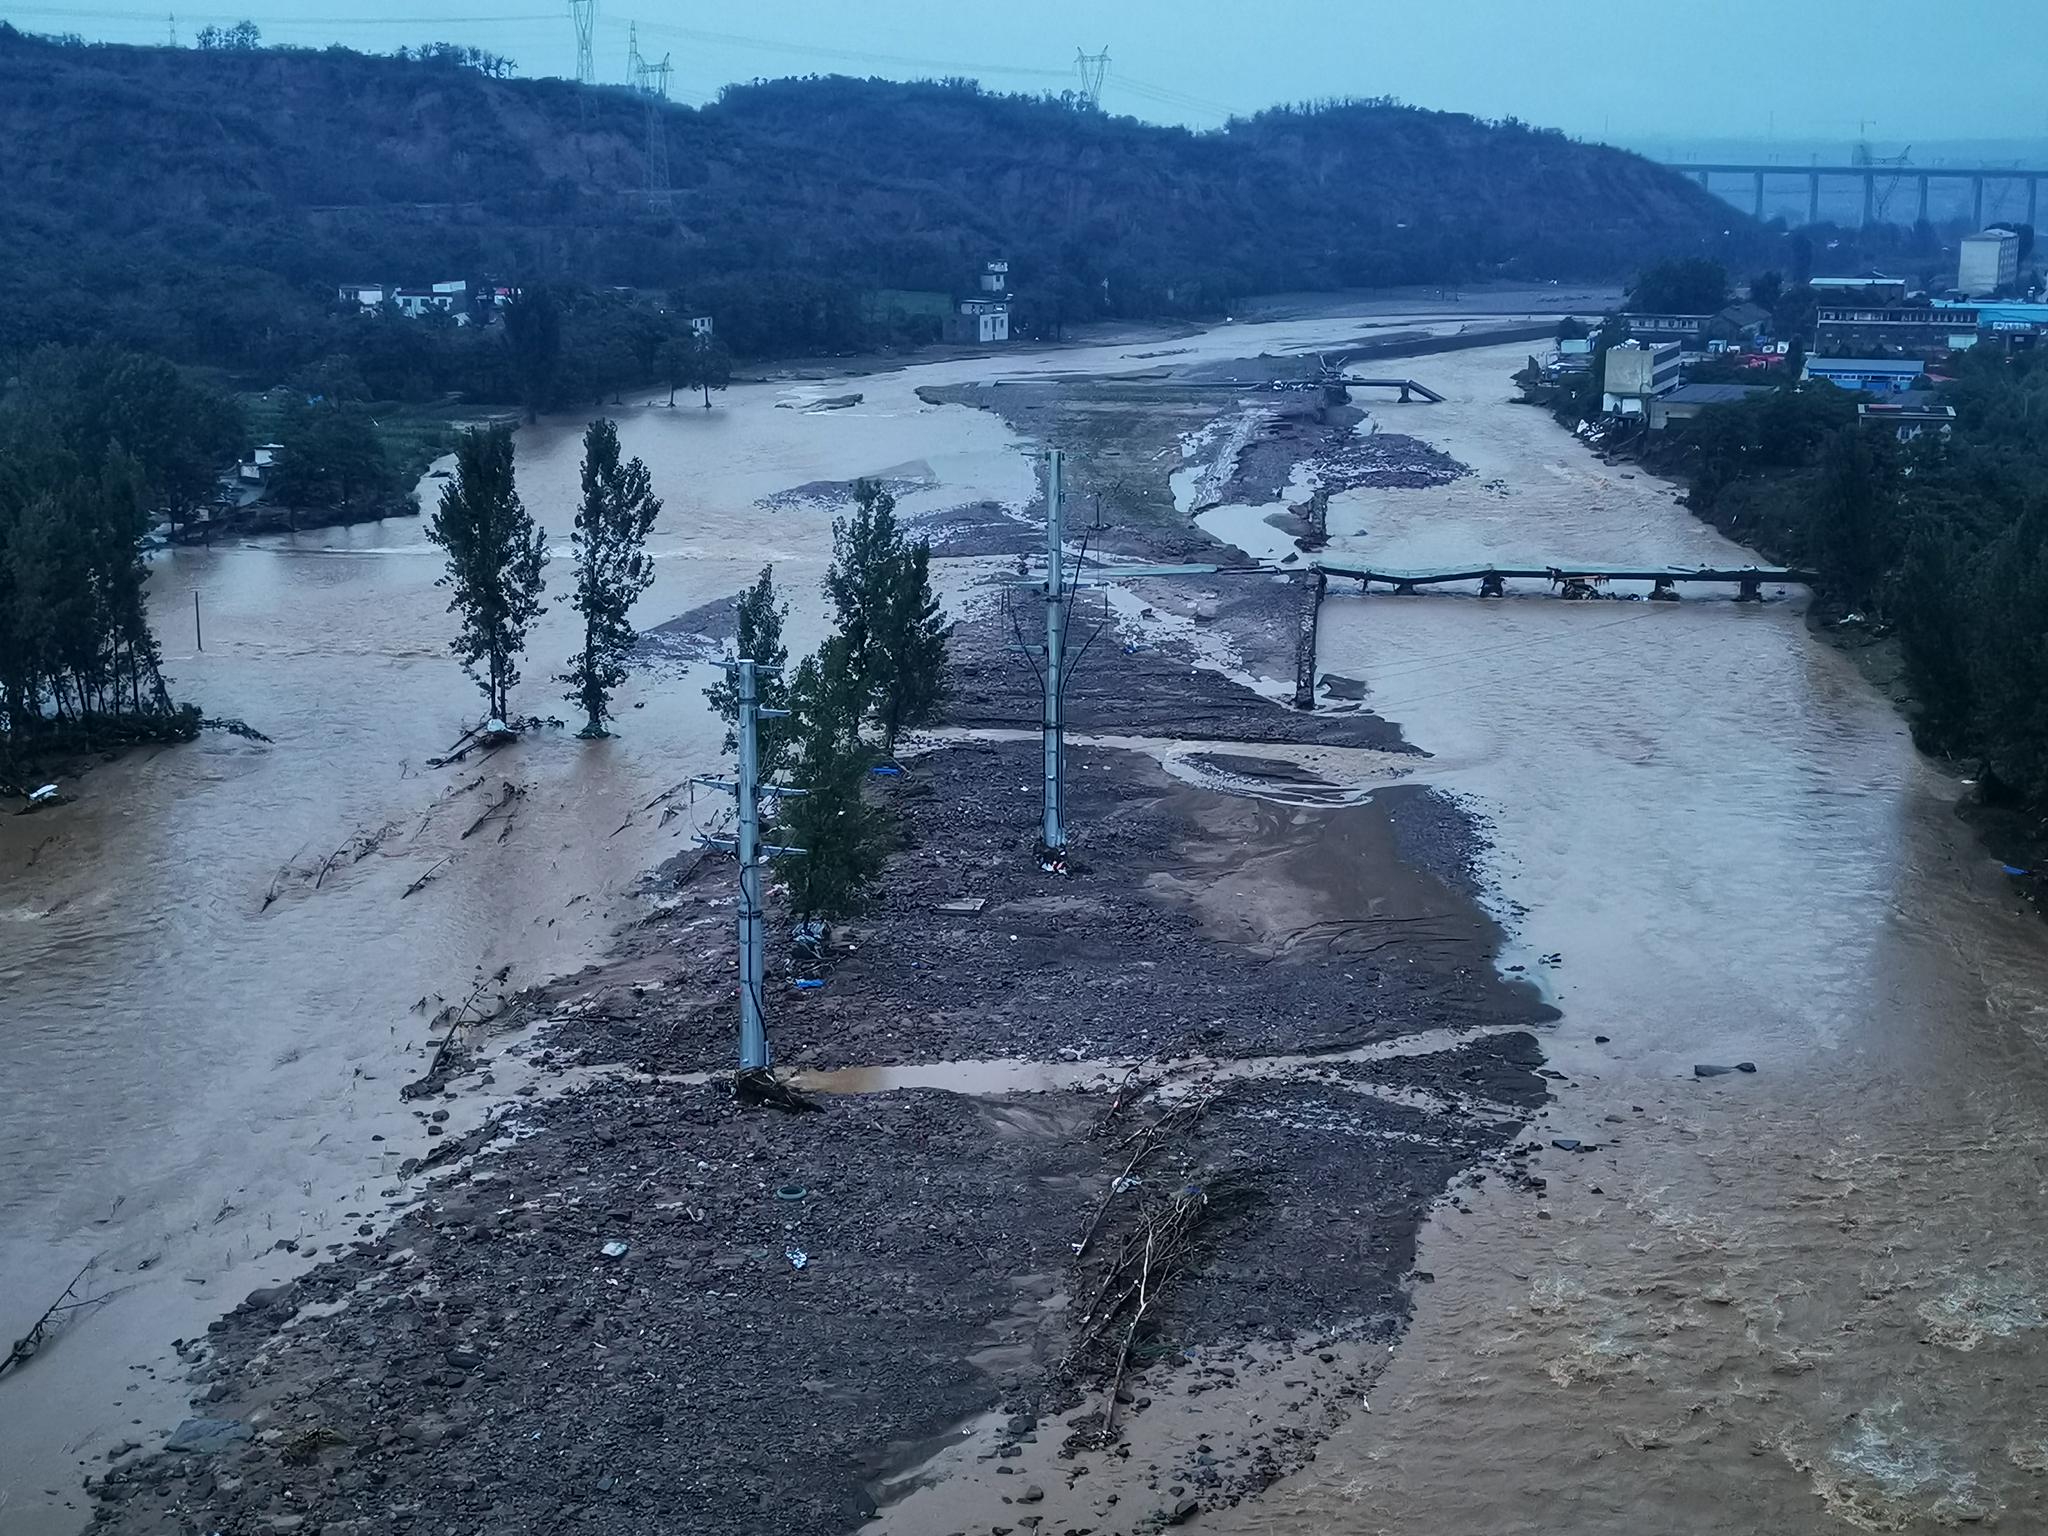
1336, 450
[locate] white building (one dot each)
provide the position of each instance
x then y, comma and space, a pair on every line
982, 320
700, 327
1989, 265
995, 277
369, 295
1636, 374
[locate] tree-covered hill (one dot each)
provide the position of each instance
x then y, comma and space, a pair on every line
205, 202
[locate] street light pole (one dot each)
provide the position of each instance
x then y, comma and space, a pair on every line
747, 844
1053, 835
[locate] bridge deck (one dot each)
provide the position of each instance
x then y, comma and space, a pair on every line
1441, 575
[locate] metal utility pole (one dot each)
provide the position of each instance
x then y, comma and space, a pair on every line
1091, 67
584, 14
746, 789
1053, 835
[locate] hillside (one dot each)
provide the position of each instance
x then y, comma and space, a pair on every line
204, 203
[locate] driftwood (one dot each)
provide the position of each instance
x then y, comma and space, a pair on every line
65, 1304
508, 796
758, 1086
432, 871
456, 1016
277, 880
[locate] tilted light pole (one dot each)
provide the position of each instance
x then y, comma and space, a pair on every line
746, 789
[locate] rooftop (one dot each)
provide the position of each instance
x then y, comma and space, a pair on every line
1714, 394
1865, 364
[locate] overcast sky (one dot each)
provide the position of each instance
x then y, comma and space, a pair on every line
1800, 71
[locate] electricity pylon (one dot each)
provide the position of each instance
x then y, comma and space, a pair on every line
1092, 67
584, 14
651, 81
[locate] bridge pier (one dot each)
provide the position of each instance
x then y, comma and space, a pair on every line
2033, 196
1924, 179
1491, 585
1976, 202
1750, 590
1404, 395
1757, 196
1869, 198
1404, 589
1305, 643
1663, 591
1813, 197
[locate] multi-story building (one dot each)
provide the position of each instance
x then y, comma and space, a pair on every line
1874, 375
1636, 374
1868, 330
1989, 264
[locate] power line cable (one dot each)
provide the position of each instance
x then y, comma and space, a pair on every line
155, 18
848, 55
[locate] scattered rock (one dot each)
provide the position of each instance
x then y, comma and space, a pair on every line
1032, 1493
206, 1436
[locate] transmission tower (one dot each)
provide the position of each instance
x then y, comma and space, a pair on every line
584, 14
1092, 67
651, 81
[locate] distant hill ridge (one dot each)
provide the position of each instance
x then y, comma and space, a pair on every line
197, 201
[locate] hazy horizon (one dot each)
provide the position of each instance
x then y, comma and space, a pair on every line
1785, 82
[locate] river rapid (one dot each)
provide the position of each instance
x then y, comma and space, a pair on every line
1796, 1297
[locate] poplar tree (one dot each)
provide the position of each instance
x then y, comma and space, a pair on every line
496, 557
841, 835
759, 613
880, 587
612, 570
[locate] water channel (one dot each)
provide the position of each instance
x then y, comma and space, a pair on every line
1810, 1293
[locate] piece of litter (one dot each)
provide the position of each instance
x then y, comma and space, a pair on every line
47, 792
797, 1258
809, 986
614, 1249
964, 904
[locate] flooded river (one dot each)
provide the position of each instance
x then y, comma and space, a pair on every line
1796, 1297
1811, 1299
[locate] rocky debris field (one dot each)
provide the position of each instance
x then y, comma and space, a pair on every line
1326, 440
971, 951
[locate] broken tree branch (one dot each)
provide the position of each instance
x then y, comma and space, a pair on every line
30, 1342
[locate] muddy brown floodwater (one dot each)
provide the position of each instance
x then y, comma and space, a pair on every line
1810, 1299
1803, 1299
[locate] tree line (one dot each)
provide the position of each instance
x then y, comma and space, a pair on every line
190, 202
95, 445
1941, 541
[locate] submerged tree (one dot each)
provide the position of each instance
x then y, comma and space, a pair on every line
612, 570
880, 586
96, 445
759, 613
694, 362
496, 558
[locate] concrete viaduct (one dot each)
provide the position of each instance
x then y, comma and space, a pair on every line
1868, 175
